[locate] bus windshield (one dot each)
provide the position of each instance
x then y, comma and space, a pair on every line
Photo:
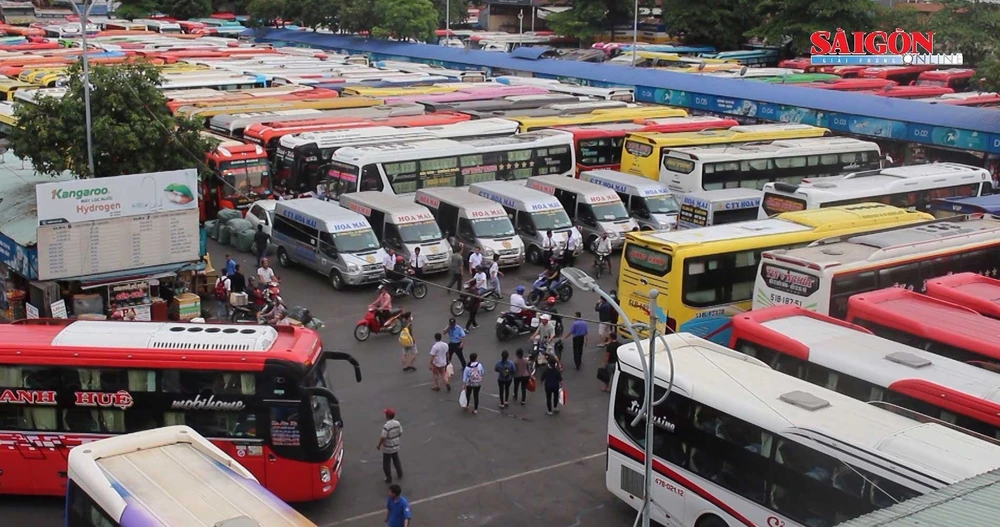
665, 204
492, 227
354, 241
612, 211
420, 232
323, 417
551, 220
602, 151
243, 173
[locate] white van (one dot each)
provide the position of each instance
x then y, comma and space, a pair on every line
333, 241
595, 210
650, 203
533, 213
715, 207
474, 221
402, 225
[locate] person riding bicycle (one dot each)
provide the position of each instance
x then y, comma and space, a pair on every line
603, 251
382, 304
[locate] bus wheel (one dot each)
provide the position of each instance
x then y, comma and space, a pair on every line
283, 258
336, 280
535, 255
710, 520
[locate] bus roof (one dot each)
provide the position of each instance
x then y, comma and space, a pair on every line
861, 215
315, 212
855, 351
401, 210
812, 146
177, 477
746, 388
764, 131
444, 147
885, 181
609, 115
896, 242
971, 290
242, 347
432, 197
593, 192
623, 182
459, 130
510, 194
928, 318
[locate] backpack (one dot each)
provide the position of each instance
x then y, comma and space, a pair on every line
476, 375
405, 339
220, 288
507, 370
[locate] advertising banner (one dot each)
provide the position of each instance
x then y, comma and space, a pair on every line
94, 199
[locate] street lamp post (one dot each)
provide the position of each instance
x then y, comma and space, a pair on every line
84, 18
520, 28
447, 20
635, 32
581, 280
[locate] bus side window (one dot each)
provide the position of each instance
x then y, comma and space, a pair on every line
525, 225
392, 238
371, 179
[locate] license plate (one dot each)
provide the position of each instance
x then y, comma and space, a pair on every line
500, 321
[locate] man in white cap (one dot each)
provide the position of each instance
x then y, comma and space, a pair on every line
546, 333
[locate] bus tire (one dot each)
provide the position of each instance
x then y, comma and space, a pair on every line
336, 280
283, 258
535, 255
710, 520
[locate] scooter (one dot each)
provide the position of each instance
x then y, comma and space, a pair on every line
563, 290
511, 325
398, 289
371, 324
261, 300
601, 264
461, 304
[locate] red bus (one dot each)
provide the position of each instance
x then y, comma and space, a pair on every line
955, 78
600, 145
855, 84
259, 393
929, 324
973, 99
241, 174
268, 134
912, 92
851, 360
972, 290
903, 75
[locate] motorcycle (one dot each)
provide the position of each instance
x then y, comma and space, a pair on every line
261, 299
461, 304
510, 325
601, 264
398, 289
538, 358
371, 324
540, 290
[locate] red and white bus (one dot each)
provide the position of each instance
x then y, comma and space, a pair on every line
903, 75
972, 290
930, 324
269, 134
912, 92
955, 78
599, 146
485, 92
737, 443
849, 359
974, 99
863, 85
241, 174
259, 393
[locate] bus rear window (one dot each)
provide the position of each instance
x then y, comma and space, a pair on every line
776, 204
648, 260
638, 149
680, 166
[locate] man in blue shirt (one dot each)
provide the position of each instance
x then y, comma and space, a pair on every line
230, 265
398, 508
579, 331
456, 338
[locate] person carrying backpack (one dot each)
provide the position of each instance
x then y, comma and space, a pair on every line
472, 378
408, 343
506, 370
223, 285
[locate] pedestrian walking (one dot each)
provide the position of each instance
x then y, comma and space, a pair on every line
397, 508
572, 245
472, 380
223, 286
456, 341
579, 332
494, 274
552, 381
388, 444
230, 265
505, 370
261, 240
521, 374
610, 361
604, 311
456, 266
408, 343
475, 259
472, 307
548, 246
439, 363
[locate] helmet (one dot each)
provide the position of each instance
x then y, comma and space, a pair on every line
520, 289
551, 300
399, 258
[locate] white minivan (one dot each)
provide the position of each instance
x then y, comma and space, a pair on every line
474, 221
402, 225
595, 209
331, 240
650, 203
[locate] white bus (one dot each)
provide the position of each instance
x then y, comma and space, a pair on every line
160, 26
911, 187
753, 165
824, 275
213, 81
554, 86
404, 168
414, 67
851, 360
737, 443
167, 476
716, 207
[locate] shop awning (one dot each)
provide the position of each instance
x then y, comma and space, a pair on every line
131, 275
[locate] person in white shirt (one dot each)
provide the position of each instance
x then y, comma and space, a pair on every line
439, 363
389, 261
572, 245
417, 262
604, 249
548, 246
265, 275
475, 260
480, 279
517, 302
495, 273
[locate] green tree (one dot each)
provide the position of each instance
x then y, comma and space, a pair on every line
987, 76
132, 9
969, 28
406, 19
459, 11
799, 19
187, 9
587, 19
263, 12
359, 16
719, 23
319, 13
132, 129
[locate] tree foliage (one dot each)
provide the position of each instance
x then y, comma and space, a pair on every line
988, 76
265, 12
406, 19
359, 16
970, 28
719, 23
186, 9
132, 129
586, 20
132, 9
799, 19
459, 11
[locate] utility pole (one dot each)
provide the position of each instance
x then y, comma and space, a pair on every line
84, 19
447, 20
635, 35
520, 27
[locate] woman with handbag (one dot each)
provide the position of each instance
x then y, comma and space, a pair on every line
607, 371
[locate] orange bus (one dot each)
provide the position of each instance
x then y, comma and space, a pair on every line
240, 176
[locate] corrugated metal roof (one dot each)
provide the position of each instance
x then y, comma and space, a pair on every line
18, 207
974, 502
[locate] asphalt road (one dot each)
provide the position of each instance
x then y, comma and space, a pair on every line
505, 468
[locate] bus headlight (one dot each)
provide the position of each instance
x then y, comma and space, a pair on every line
488, 252
324, 475
352, 268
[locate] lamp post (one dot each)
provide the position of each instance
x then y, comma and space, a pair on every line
447, 20
84, 18
635, 32
520, 27
582, 280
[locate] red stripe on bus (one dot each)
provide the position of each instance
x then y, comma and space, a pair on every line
658, 466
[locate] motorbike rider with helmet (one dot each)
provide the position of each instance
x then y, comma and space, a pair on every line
273, 312
552, 274
382, 304
546, 334
400, 275
519, 306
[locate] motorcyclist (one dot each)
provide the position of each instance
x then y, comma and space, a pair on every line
519, 307
400, 275
382, 304
552, 274
545, 334
273, 312
603, 250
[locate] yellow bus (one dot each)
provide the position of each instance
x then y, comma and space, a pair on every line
600, 116
642, 152
710, 271
9, 86
8, 122
198, 110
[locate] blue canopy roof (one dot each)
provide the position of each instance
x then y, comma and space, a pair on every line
530, 52
862, 114
972, 205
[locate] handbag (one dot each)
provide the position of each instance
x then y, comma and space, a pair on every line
463, 401
604, 374
531, 384
562, 396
